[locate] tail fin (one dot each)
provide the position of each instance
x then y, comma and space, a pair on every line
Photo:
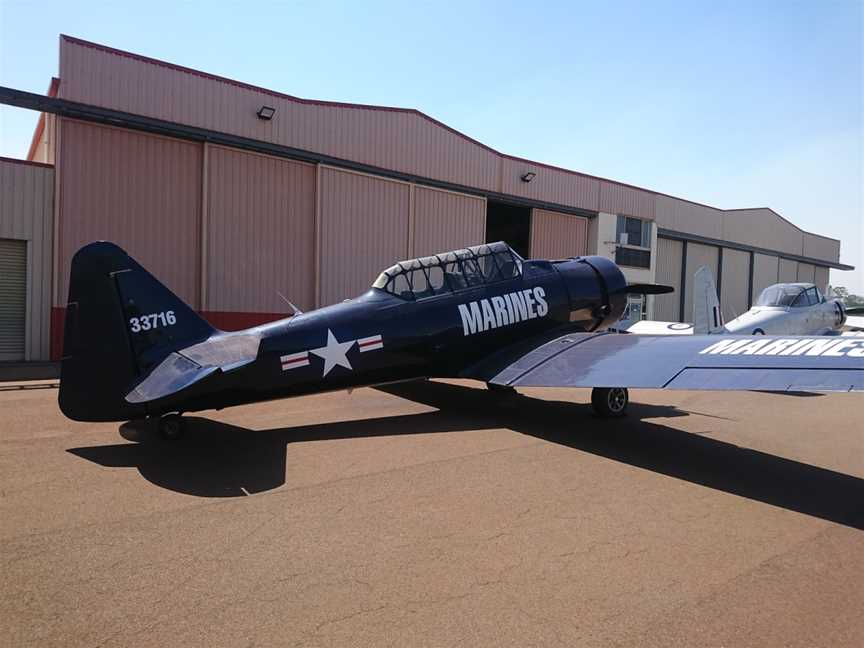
120, 323
707, 317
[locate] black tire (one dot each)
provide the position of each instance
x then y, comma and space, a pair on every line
610, 402
171, 427
758, 331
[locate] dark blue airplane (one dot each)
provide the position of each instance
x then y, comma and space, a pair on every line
134, 350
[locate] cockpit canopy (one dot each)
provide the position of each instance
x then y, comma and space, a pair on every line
794, 295
451, 271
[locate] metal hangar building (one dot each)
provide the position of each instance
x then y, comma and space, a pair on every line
231, 194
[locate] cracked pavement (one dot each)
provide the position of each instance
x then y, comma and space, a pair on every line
438, 514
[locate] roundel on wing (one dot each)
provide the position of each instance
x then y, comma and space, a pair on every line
679, 327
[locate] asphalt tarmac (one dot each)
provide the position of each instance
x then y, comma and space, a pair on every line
436, 514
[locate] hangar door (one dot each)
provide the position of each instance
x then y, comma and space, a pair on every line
260, 233
669, 256
363, 229
13, 298
736, 282
557, 236
446, 220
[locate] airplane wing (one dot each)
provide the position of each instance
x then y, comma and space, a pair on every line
655, 327
716, 362
855, 322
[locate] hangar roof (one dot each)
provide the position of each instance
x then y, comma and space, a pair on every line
404, 140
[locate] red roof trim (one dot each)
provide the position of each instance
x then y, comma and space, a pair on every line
37, 135
26, 162
40, 125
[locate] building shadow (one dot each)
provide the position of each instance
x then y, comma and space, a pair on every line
219, 460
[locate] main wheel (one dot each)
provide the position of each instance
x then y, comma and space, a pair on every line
171, 427
610, 402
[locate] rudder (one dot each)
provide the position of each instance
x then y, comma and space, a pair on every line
120, 323
707, 316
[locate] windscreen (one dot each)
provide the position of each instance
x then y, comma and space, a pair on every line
779, 295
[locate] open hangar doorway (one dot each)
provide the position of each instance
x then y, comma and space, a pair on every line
511, 224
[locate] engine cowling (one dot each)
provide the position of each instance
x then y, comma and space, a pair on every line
597, 290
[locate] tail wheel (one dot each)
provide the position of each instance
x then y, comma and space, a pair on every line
610, 402
171, 427
758, 332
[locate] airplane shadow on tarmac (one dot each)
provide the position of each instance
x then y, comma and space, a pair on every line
216, 459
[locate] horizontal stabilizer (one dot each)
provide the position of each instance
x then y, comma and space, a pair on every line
175, 373
182, 369
646, 289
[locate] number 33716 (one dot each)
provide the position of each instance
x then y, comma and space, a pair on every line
152, 321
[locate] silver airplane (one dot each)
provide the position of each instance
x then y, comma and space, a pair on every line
780, 309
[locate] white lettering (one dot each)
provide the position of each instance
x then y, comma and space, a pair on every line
725, 346
775, 347
503, 310
529, 302
794, 348
519, 306
488, 315
500, 310
542, 306
509, 302
843, 344
472, 320
859, 352
751, 348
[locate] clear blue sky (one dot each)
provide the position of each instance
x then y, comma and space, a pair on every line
734, 104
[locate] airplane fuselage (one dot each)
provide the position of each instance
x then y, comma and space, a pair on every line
381, 337
817, 319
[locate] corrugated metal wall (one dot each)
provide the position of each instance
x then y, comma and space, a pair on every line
13, 299
363, 229
557, 236
788, 271
621, 199
550, 184
821, 278
735, 283
761, 228
668, 266
683, 216
806, 272
444, 220
398, 139
140, 191
697, 256
821, 247
765, 270
260, 233
27, 214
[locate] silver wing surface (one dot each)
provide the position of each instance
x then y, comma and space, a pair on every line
713, 362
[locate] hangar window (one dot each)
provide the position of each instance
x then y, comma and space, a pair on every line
633, 238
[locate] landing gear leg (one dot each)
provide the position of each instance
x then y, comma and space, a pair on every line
610, 402
171, 427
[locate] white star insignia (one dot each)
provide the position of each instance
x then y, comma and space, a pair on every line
334, 353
